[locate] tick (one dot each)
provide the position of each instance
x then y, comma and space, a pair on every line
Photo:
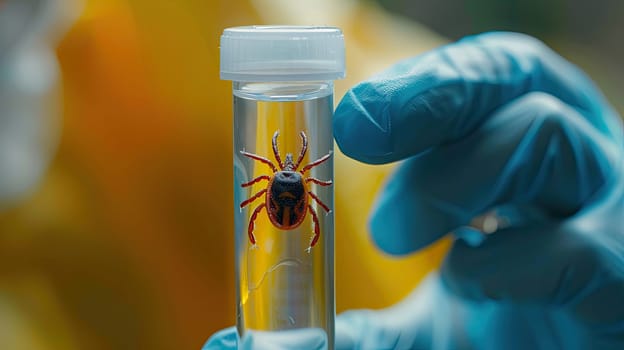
287, 193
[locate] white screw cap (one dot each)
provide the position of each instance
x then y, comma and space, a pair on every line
282, 53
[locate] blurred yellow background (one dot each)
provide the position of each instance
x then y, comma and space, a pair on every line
127, 241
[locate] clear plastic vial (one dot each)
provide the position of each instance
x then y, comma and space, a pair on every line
283, 181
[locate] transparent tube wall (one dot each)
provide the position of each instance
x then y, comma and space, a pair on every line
282, 289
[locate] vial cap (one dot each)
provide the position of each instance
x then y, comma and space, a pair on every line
282, 53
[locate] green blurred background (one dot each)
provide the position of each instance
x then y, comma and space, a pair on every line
120, 236
589, 33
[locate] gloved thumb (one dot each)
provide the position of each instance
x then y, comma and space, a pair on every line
291, 339
410, 324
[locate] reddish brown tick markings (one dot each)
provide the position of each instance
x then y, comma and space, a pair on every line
287, 193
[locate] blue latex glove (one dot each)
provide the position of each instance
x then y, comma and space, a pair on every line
495, 121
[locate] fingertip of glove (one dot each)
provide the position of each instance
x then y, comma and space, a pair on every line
404, 220
226, 339
395, 230
387, 233
362, 125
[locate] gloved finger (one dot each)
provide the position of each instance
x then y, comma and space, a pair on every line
444, 95
535, 152
225, 339
406, 325
292, 339
553, 264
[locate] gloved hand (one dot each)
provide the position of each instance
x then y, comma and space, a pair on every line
493, 122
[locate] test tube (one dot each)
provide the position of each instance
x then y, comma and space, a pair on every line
282, 78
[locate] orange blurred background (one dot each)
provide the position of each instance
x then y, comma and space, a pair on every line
127, 243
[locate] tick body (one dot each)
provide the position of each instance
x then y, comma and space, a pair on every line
287, 195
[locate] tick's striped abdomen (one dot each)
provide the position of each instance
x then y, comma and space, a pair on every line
287, 199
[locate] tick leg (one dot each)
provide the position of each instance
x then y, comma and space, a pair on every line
252, 198
304, 148
317, 231
276, 151
318, 200
258, 179
316, 162
250, 229
318, 182
260, 159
